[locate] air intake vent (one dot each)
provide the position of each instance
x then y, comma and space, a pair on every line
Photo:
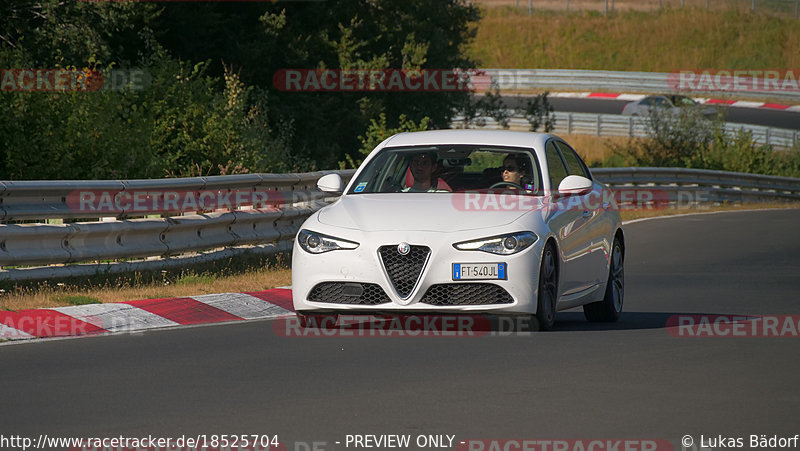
404, 270
466, 294
348, 293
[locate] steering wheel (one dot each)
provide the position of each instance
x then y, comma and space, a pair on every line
511, 184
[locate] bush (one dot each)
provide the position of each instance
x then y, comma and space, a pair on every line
378, 131
689, 139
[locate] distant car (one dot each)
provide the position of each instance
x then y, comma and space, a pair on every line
671, 103
485, 242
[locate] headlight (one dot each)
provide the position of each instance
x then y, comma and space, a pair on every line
317, 243
501, 245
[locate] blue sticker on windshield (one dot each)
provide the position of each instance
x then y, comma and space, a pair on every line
360, 187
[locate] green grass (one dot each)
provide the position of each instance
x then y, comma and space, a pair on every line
192, 278
653, 41
77, 299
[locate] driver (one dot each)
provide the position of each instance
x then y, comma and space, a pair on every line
422, 167
515, 170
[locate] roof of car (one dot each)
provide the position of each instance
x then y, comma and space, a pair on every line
482, 137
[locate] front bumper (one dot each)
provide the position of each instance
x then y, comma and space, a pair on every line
344, 278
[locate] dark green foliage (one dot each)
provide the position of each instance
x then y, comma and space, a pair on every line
378, 131
209, 106
689, 139
539, 113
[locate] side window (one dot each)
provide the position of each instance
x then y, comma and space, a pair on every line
555, 166
575, 165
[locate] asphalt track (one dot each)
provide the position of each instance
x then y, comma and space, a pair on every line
632, 379
754, 116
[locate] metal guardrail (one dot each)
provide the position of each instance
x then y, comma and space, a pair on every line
685, 187
84, 248
630, 126
619, 81
164, 235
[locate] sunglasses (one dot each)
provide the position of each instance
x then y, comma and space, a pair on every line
510, 168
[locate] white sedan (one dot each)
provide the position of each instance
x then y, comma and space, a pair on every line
464, 221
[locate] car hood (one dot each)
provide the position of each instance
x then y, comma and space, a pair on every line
437, 212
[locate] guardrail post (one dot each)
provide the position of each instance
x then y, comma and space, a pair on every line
753, 6
530, 7
767, 135
794, 139
630, 126
567, 5
569, 126
599, 124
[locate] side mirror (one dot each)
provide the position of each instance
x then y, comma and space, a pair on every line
574, 184
331, 183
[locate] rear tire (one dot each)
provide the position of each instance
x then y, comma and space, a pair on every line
548, 289
610, 308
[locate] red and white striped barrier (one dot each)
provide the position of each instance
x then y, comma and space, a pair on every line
635, 97
135, 316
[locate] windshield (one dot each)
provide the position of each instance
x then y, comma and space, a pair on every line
450, 168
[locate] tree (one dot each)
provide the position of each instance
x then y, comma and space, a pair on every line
260, 39
210, 106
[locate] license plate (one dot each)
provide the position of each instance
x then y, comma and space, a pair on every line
479, 271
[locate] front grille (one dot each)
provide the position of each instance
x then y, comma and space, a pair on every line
348, 293
404, 270
466, 294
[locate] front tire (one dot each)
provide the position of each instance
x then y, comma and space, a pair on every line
548, 289
610, 308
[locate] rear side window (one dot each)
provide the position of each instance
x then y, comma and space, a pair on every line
555, 166
575, 165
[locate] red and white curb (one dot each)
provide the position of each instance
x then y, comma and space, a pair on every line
134, 316
705, 100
